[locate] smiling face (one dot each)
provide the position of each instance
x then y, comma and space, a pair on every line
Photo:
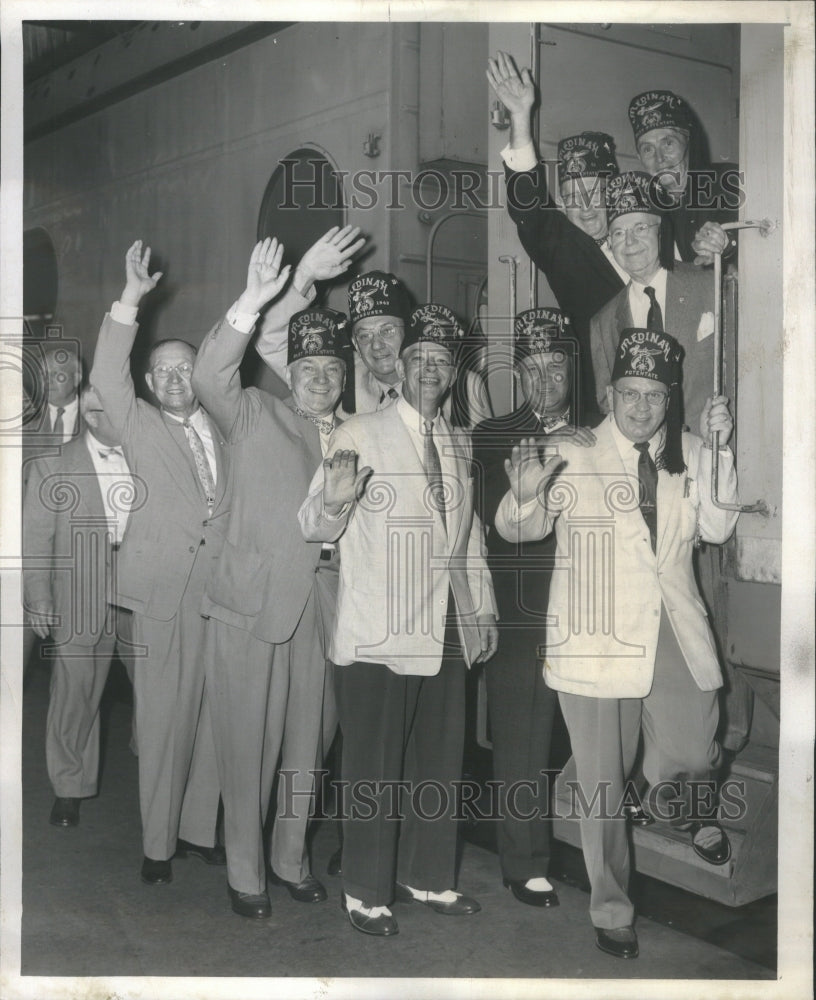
316, 384
545, 381
664, 154
171, 368
584, 201
428, 372
637, 421
378, 339
635, 241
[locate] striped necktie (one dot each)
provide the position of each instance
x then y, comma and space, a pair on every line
58, 429
433, 472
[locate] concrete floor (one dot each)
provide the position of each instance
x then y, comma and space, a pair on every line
87, 913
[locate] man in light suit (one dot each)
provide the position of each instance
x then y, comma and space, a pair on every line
520, 706
170, 551
74, 515
415, 604
638, 651
664, 294
270, 604
379, 311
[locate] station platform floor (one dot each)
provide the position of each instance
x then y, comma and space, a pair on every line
87, 913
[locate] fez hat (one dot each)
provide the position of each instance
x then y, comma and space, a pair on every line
315, 333
436, 324
590, 154
377, 293
659, 109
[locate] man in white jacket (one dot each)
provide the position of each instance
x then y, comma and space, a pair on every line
628, 645
415, 603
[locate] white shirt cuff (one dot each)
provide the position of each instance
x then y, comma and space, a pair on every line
523, 158
241, 321
126, 315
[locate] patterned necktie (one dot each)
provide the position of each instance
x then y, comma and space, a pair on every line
647, 474
59, 424
205, 476
323, 424
433, 471
391, 394
654, 318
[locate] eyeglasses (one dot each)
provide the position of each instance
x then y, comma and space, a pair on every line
418, 361
640, 231
654, 397
386, 331
162, 372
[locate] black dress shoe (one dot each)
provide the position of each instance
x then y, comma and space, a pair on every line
382, 926
637, 816
335, 865
720, 852
64, 812
307, 891
255, 906
462, 906
209, 855
156, 872
532, 897
621, 942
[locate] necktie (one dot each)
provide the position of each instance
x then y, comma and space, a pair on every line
647, 474
59, 425
391, 394
323, 424
654, 318
433, 471
205, 476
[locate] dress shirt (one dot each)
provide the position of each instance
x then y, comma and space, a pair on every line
626, 448
639, 301
69, 418
442, 434
201, 425
115, 483
386, 392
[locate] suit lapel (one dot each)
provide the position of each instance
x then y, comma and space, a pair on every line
669, 489
309, 433
183, 470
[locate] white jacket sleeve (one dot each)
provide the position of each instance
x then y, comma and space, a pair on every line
714, 524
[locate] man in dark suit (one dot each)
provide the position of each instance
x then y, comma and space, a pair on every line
74, 514
167, 557
569, 246
521, 707
271, 602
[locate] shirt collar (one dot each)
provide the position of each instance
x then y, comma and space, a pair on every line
658, 282
195, 416
96, 445
627, 448
414, 420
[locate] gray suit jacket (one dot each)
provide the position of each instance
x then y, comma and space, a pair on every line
267, 569
689, 317
170, 521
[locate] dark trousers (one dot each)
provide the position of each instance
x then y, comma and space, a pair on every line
521, 709
399, 728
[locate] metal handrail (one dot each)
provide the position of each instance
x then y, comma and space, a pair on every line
765, 226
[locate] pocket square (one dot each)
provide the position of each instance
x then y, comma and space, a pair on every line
706, 326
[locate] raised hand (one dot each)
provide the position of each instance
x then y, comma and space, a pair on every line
711, 238
716, 417
328, 257
265, 277
528, 475
138, 281
515, 90
342, 483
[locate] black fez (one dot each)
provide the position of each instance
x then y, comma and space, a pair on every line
659, 109
435, 324
634, 191
315, 333
538, 331
377, 293
590, 154
643, 353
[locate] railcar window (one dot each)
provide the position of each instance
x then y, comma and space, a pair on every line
303, 199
